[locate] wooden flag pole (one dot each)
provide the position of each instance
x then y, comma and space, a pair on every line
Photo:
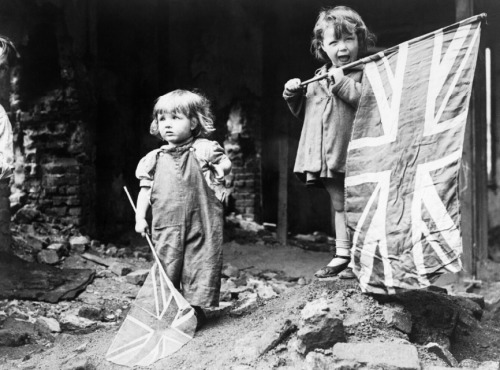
157, 259
393, 49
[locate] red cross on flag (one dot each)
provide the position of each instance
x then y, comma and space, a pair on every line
403, 161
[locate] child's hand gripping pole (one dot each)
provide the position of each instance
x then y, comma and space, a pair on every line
174, 291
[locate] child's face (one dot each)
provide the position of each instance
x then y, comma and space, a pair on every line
175, 127
341, 51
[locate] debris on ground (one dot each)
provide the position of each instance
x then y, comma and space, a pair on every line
267, 318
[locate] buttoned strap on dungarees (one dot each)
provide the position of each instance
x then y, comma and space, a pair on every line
187, 226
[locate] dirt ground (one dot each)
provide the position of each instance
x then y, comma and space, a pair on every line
229, 341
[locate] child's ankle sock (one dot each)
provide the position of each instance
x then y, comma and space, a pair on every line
343, 252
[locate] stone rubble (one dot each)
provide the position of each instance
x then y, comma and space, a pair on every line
339, 329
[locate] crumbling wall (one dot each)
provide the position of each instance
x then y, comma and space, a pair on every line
53, 111
243, 146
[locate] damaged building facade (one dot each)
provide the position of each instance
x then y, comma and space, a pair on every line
82, 94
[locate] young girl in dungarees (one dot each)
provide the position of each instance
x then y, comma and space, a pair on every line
182, 182
328, 107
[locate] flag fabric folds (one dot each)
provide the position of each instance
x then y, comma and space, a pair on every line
404, 157
159, 323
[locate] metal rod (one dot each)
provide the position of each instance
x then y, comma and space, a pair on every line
393, 49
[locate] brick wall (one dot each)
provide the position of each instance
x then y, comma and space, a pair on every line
53, 168
243, 146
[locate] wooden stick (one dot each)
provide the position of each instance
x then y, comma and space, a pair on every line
393, 49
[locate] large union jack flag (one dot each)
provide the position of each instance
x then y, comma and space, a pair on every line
159, 323
403, 161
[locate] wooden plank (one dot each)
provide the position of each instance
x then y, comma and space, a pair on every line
282, 229
473, 176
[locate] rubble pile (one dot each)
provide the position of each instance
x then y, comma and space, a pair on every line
266, 319
341, 328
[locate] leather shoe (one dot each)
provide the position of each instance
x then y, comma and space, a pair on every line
329, 271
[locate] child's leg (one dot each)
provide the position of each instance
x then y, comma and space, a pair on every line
335, 189
340, 261
342, 240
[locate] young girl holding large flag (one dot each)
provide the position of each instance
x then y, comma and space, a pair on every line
328, 107
183, 183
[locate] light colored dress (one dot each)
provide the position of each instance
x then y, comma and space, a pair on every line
328, 112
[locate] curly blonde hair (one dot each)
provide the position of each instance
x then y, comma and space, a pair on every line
345, 21
193, 104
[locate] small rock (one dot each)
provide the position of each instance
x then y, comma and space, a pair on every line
48, 256
91, 313
111, 250
16, 333
486, 365
144, 255
70, 322
120, 269
47, 325
110, 317
230, 271
442, 353
95, 244
378, 355
79, 363
137, 277
123, 252
321, 326
60, 248
398, 317
79, 244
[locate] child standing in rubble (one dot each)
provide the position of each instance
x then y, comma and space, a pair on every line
182, 182
327, 107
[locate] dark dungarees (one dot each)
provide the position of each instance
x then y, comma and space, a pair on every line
187, 226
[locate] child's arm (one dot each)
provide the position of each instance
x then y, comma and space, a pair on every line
141, 225
218, 161
345, 87
145, 174
293, 94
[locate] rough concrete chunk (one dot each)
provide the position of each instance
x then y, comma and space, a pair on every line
120, 269
442, 353
47, 325
70, 322
137, 277
486, 365
79, 243
48, 256
398, 318
60, 248
382, 355
321, 326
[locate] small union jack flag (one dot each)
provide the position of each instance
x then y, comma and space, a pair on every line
404, 157
159, 322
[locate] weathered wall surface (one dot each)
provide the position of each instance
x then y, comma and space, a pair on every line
53, 109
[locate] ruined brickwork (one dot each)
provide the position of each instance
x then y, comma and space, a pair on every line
53, 168
52, 109
243, 146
